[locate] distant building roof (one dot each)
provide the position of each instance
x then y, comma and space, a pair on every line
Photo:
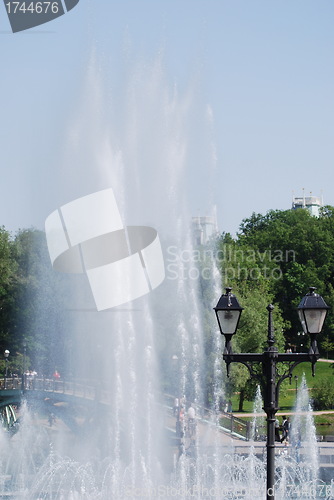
311, 203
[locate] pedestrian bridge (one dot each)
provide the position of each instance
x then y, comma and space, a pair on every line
58, 398
14, 389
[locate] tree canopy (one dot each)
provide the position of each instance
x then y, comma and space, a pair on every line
291, 250
29, 311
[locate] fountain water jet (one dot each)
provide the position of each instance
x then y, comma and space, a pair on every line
148, 168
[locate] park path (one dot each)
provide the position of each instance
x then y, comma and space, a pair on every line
281, 413
212, 440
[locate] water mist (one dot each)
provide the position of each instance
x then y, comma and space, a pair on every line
151, 144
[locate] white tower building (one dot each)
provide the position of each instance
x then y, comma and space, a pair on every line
311, 203
203, 228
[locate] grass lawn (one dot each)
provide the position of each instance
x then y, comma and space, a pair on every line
287, 398
322, 370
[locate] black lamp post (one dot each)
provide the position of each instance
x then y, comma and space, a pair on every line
176, 390
6, 354
24, 382
175, 365
24, 354
312, 312
296, 380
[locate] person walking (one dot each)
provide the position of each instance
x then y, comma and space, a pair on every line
191, 422
191, 413
176, 407
285, 428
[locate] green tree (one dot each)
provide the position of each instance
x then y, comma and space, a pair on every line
302, 246
37, 311
327, 346
323, 395
8, 283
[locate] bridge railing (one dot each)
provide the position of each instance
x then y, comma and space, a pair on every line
225, 421
10, 383
234, 425
81, 388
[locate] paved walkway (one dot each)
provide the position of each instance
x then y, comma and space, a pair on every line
281, 413
210, 438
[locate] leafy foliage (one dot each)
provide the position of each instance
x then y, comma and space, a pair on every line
29, 311
292, 250
275, 258
323, 395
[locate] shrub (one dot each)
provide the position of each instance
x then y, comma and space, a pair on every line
323, 394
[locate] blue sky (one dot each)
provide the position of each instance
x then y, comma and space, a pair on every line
264, 68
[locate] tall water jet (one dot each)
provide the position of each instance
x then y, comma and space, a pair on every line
298, 463
254, 467
218, 393
257, 423
124, 353
303, 433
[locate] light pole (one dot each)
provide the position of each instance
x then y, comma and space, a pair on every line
24, 381
312, 312
6, 354
175, 366
176, 396
296, 380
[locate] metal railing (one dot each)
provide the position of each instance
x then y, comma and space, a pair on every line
80, 388
10, 383
225, 421
234, 425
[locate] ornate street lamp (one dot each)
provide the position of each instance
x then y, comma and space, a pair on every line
175, 367
24, 381
228, 312
6, 354
296, 380
312, 312
176, 390
24, 344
